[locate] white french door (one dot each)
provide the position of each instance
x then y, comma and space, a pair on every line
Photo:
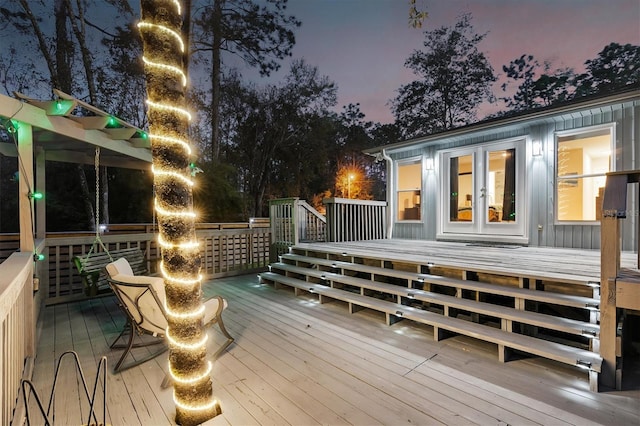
483, 191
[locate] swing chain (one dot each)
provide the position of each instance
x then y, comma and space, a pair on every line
97, 168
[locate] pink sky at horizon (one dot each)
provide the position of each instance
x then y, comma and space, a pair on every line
362, 44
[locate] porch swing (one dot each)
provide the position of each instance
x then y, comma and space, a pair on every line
91, 266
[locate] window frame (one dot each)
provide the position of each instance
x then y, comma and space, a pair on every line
611, 127
404, 162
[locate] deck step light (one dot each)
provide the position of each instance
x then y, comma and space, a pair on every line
592, 306
430, 264
344, 253
399, 313
593, 284
592, 333
35, 195
38, 257
411, 295
311, 290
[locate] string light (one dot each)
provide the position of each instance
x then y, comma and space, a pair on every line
173, 140
178, 7
194, 379
170, 108
187, 245
172, 174
178, 280
163, 29
186, 315
188, 346
178, 213
189, 407
166, 67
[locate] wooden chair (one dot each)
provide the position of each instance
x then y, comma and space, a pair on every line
142, 298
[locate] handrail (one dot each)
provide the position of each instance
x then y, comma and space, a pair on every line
225, 250
614, 207
293, 220
17, 327
355, 220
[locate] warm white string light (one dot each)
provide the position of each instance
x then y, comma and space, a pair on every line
166, 67
186, 315
172, 140
178, 7
194, 379
189, 407
178, 280
176, 175
187, 346
171, 108
164, 29
187, 245
178, 213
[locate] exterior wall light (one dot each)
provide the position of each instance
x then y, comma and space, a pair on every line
537, 149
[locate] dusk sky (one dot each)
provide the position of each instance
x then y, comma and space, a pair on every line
362, 44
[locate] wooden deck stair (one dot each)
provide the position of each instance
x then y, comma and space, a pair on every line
502, 314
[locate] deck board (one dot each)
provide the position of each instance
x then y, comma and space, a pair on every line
567, 265
295, 361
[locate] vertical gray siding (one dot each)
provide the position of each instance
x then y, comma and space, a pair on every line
540, 184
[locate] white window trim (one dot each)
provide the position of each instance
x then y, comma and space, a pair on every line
442, 189
419, 159
612, 167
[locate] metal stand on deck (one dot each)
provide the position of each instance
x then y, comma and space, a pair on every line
27, 385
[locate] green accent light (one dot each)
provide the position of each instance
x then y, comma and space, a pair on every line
58, 105
144, 135
112, 121
38, 256
36, 195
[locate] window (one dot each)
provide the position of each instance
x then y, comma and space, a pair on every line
583, 160
409, 192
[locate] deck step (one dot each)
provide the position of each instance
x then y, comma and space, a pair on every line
505, 313
504, 339
487, 288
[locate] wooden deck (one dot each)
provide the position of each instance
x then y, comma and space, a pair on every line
565, 265
297, 362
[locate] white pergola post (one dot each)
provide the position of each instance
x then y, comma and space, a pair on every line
26, 178
41, 207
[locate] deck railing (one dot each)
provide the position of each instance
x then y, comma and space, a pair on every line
292, 221
355, 220
16, 328
227, 249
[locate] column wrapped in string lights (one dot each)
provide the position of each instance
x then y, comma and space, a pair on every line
163, 50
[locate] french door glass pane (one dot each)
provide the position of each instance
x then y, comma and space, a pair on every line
461, 189
500, 191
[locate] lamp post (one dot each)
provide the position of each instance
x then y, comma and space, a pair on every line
349, 186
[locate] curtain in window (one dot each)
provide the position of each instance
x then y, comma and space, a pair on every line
453, 189
509, 199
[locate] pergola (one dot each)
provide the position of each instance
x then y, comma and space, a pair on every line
64, 129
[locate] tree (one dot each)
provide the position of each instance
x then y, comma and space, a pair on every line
260, 34
521, 70
163, 48
276, 144
455, 77
535, 89
615, 67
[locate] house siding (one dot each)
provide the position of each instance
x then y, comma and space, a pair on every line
541, 171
